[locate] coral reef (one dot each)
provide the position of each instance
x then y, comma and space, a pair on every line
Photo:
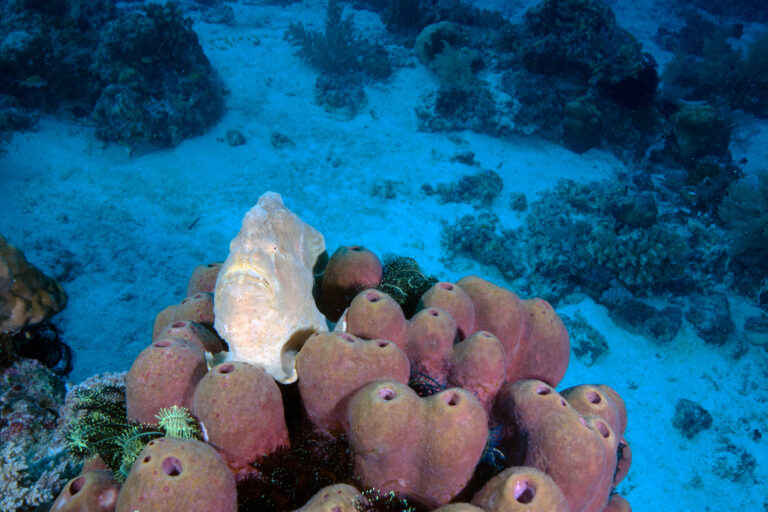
747, 9
724, 75
587, 244
580, 39
159, 86
138, 72
34, 463
355, 415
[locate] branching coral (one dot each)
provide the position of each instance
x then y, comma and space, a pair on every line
18, 486
338, 49
639, 258
477, 189
574, 237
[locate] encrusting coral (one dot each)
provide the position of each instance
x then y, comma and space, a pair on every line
33, 463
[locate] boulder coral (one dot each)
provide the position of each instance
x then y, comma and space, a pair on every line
27, 296
263, 297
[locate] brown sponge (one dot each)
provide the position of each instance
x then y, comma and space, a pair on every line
178, 475
424, 448
90, 491
521, 489
240, 406
333, 366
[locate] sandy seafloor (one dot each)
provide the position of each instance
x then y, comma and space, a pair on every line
124, 233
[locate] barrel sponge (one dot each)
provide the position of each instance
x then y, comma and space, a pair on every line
518, 489
263, 300
90, 491
178, 475
27, 296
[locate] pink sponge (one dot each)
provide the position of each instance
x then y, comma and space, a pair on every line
453, 300
425, 448
534, 338
375, 315
521, 489
196, 308
164, 374
333, 366
178, 475
349, 270
203, 279
542, 430
90, 491
241, 409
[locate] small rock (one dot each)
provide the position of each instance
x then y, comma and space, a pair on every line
690, 418
587, 343
756, 330
518, 202
235, 138
639, 316
281, 141
710, 316
465, 157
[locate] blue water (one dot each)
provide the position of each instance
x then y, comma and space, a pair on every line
606, 156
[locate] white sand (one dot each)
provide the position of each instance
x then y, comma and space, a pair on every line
133, 228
